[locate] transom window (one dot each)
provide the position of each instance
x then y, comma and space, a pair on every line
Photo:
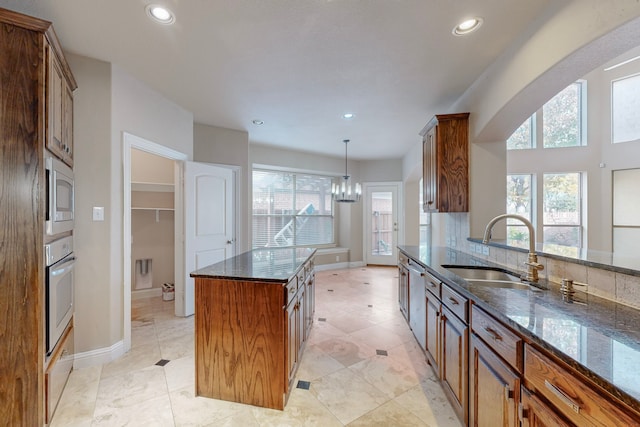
625, 109
559, 123
291, 209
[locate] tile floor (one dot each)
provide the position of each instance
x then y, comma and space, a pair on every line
361, 361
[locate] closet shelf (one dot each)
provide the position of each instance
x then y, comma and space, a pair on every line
152, 186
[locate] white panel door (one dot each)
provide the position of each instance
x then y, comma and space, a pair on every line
208, 222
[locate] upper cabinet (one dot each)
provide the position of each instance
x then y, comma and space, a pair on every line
59, 94
445, 163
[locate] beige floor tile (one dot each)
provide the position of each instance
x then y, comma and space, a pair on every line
316, 363
302, 409
389, 414
153, 412
389, 375
396, 390
347, 395
345, 350
428, 402
180, 373
189, 410
139, 357
129, 389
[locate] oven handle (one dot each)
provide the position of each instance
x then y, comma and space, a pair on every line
63, 267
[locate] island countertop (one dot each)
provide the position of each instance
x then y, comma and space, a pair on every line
264, 264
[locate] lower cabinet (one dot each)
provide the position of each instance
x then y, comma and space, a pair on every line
535, 413
432, 349
568, 394
403, 285
57, 371
454, 362
494, 388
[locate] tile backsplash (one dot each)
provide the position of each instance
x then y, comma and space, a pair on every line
620, 287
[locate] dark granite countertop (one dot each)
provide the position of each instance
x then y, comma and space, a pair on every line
597, 337
265, 265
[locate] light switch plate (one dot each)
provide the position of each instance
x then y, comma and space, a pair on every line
98, 213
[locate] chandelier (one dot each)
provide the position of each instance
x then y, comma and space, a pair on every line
344, 191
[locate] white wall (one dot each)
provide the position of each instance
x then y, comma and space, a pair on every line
213, 144
108, 102
571, 40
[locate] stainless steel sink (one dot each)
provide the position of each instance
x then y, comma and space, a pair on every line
487, 276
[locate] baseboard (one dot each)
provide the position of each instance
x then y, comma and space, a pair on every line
146, 293
98, 357
357, 264
333, 266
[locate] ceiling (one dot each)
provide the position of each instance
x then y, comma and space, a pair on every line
298, 65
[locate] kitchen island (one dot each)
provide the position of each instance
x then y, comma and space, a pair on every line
252, 318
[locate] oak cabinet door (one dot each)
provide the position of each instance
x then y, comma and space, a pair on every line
494, 388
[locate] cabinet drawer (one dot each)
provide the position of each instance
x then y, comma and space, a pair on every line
432, 285
574, 398
58, 371
507, 344
291, 290
455, 302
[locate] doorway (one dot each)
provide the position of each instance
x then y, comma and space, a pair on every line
132, 142
381, 223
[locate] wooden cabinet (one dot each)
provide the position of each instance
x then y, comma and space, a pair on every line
494, 372
454, 361
574, 397
403, 285
59, 93
24, 68
494, 388
250, 335
432, 328
445, 163
533, 412
57, 372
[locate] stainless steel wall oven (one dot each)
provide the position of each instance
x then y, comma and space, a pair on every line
59, 275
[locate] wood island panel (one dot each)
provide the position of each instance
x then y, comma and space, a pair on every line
240, 341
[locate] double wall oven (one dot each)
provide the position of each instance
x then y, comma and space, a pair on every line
59, 257
59, 274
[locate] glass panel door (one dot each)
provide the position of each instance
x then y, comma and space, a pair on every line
381, 224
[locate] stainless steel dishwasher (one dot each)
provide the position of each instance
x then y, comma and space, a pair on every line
417, 303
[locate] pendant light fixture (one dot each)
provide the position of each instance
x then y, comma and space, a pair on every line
344, 192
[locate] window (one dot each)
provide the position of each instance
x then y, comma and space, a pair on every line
562, 218
291, 209
625, 109
519, 202
561, 119
523, 137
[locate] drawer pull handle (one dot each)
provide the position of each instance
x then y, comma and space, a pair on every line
453, 301
433, 285
562, 396
496, 336
292, 290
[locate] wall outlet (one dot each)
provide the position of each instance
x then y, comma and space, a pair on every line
337, 258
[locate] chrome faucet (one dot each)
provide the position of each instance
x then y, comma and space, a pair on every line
532, 262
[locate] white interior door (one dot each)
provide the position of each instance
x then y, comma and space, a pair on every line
208, 223
381, 223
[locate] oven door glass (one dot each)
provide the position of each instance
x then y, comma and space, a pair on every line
59, 299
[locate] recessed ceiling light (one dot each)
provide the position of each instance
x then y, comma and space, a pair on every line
160, 14
467, 26
257, 122
347, 116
